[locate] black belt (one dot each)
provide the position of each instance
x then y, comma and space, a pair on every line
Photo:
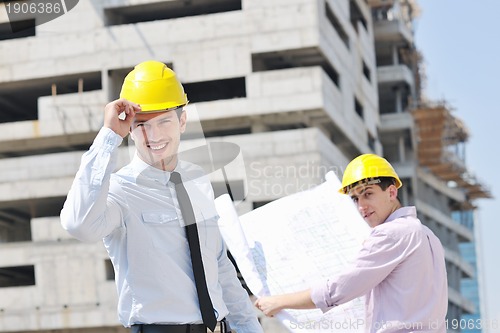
181, 328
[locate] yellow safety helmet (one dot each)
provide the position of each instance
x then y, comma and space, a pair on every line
366, 169
153, 86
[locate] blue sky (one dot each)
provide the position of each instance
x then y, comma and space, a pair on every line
460, 43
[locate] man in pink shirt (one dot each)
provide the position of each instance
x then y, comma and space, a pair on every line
400, 268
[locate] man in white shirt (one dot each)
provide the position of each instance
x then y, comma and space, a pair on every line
140, 216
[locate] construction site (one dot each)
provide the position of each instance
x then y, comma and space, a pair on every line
303, 84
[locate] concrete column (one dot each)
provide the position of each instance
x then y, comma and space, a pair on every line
401, 148
395, 55
398, 101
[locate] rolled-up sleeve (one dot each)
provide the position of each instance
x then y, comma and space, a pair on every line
378, 257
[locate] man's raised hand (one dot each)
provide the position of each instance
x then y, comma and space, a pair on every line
120, 125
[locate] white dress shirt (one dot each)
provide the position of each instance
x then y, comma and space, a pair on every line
401, 270
136, 213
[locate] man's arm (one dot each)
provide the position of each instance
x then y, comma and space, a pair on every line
378, 257
270, 305
88, 213
242, 315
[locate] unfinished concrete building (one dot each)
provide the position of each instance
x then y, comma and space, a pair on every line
293, 82
290, 82
426, 143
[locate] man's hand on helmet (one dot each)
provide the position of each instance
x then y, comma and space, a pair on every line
120, 124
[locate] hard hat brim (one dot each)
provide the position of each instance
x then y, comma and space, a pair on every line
156, 108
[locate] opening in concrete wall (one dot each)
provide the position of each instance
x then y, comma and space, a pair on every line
336, 134
116, 77
393, 97
227, 131
371, 141
205, 91
19, 99
358, 107
167, 10
332, 18
293, 58
42, 146
356, 15
14, 225
110, 271
405, 193
24, 28
16, 216
366, 71
17, 276
398, 145
385, 56
388, 54
285, 127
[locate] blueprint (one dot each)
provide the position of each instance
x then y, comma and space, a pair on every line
294, 242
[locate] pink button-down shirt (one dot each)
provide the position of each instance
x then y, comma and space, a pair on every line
401, 270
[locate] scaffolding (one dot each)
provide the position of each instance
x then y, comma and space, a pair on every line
440, 148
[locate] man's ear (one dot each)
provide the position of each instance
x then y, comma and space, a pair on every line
393, 191
182, 121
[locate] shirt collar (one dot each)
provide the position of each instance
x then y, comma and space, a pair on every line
402, 212
144, 171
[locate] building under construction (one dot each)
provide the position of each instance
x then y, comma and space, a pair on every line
426, 143
297, 84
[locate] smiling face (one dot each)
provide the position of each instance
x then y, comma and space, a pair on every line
374, 204
157, 136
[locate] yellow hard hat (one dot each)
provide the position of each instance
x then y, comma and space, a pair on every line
365, 169
153, 86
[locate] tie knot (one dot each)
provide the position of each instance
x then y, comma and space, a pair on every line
175, 178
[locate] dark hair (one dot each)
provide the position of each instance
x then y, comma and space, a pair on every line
179, 111
385, 182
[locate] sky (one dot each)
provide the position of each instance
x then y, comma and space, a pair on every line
460, 43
